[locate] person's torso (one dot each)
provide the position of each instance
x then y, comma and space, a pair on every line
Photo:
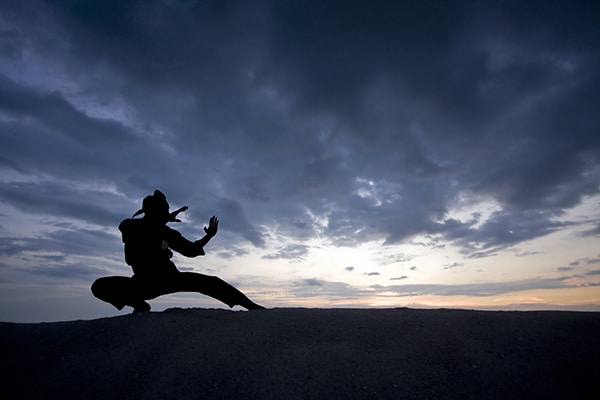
147, 245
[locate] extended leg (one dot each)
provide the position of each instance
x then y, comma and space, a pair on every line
120, 291
211, 286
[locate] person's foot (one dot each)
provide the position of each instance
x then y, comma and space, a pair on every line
254, 306
141, 308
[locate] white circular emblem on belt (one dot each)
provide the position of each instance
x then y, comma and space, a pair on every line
164, 244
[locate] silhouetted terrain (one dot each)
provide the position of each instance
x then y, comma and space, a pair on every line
306, 354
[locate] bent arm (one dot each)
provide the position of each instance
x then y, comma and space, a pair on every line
189, 248
193, 249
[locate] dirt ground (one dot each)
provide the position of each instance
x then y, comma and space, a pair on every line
306, 354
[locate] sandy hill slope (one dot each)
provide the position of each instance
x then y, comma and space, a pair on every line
306, 354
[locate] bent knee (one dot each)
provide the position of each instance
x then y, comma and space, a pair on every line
99, 287
103, 287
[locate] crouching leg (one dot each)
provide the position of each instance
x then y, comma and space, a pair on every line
120, 291
214, 287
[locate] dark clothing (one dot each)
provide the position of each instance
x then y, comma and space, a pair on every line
148, 247
121, 291
148, 251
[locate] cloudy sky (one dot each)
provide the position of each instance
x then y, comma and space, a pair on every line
357, 154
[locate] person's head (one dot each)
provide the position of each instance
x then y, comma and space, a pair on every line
155, 207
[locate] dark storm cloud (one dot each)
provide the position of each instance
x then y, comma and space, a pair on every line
55, 247
46, 135
64, 200
373, 117
57, 254
61, 119
238, 222
507, 114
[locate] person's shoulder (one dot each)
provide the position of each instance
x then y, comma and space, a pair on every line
129, 223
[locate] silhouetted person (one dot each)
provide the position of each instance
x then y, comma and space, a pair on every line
148, 244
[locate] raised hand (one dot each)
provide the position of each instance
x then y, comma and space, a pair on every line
173, 215
213, 226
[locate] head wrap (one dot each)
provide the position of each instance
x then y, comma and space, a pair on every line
153, 204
